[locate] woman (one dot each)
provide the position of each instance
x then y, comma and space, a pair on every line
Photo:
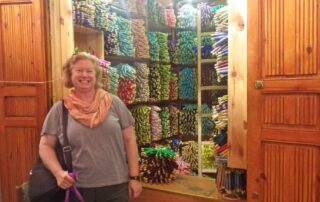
100, 132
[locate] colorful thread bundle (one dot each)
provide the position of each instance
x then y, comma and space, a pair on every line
189, 154
125, 37
140, 38
127, 84
183, 167
111, 44
187, 119
155, 120
206, 16
165, 76
163, 46
141, 115
158, 165
207, 123
142, 82
187, 83
186, 17
221, 19
184, 53
173, 87
171, 17
154, 48
207, 155
155, 82
220, 113
165, 122
174, 120
220, 50
112, 80
83, 12
102, 11
153, 11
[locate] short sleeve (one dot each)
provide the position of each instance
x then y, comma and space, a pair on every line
123, 112
52, 121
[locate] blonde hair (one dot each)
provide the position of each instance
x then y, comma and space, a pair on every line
67, 67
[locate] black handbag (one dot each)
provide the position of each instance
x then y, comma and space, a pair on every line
42, 184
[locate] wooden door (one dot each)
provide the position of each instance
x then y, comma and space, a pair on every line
284, 113
23, 94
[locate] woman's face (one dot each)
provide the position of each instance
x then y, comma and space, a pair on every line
83, 75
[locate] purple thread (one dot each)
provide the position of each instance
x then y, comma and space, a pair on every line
74, 189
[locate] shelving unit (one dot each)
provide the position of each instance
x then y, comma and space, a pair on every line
89, 39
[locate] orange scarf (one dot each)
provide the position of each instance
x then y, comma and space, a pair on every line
89, 114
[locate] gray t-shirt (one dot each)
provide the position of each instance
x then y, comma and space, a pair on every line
98, 154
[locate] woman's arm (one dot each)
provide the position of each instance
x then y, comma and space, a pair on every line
49, 158
129, 137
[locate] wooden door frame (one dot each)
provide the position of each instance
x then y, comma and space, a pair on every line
253, 137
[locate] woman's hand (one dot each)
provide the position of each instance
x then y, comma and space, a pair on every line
64, 180
135, 188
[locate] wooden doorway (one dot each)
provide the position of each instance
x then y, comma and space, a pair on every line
23, 89
283, 100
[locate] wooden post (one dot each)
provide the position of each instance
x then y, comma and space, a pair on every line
62, 42
237, 84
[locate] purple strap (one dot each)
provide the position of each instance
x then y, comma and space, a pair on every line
74, 189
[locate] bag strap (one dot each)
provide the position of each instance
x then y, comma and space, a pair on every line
66, 148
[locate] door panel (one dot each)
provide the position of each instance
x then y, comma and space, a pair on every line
287, 164
23, 95
283, 116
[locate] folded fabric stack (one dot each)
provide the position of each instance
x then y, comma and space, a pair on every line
220, 51
220, 37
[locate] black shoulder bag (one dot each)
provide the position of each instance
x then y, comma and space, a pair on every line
42, 184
